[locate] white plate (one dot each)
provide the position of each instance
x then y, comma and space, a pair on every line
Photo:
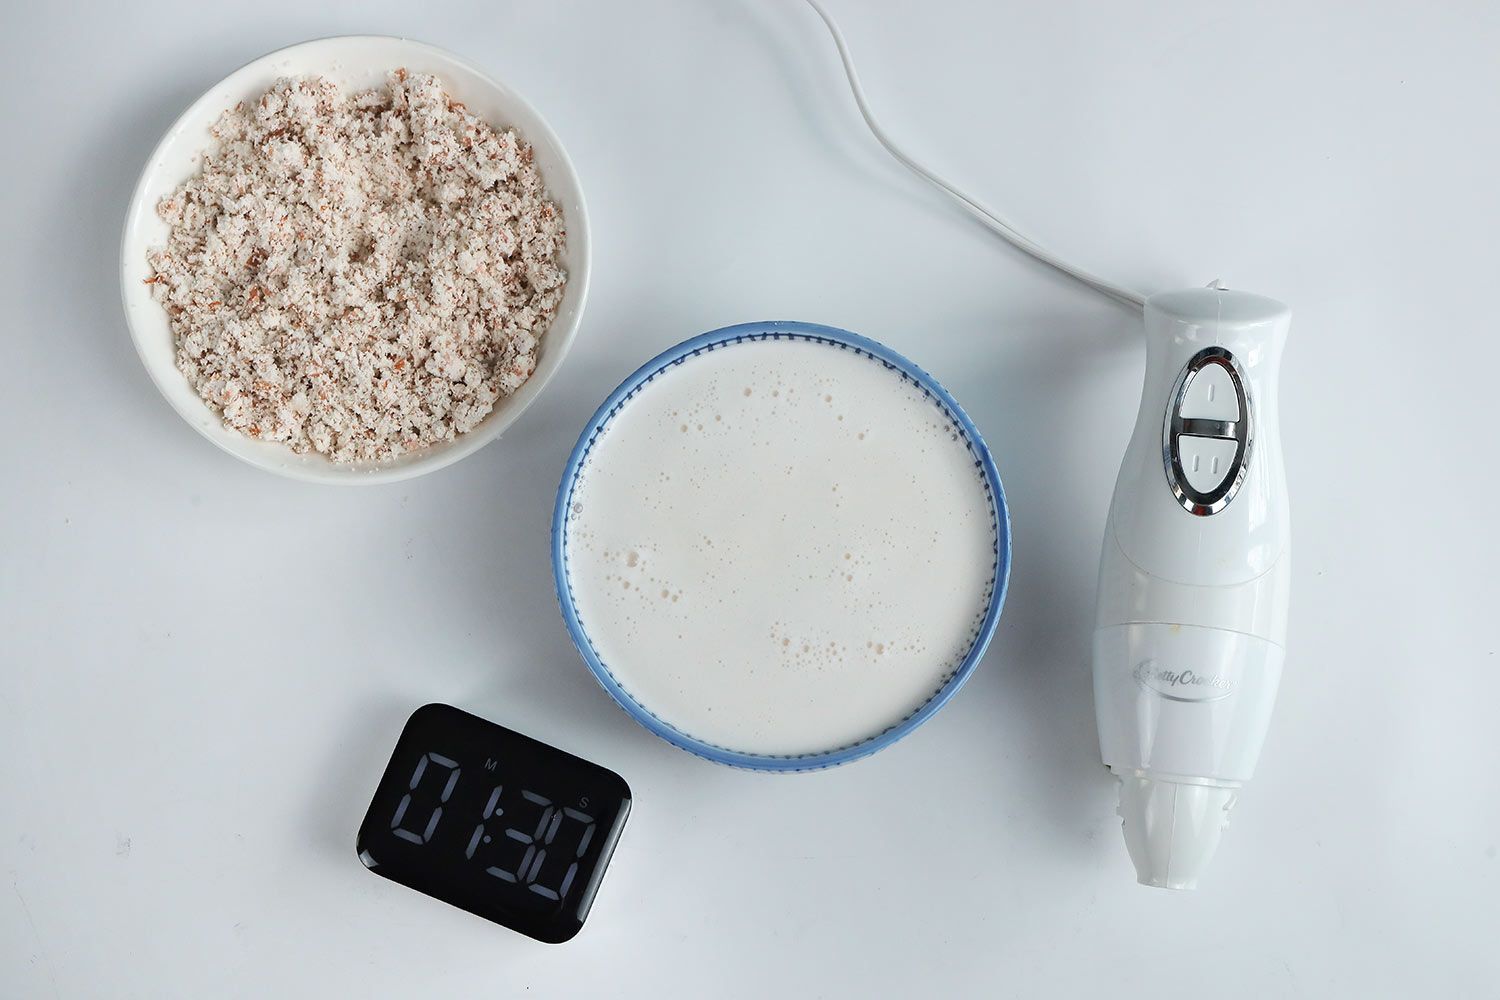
354, 62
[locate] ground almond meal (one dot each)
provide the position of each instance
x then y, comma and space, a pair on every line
359, 275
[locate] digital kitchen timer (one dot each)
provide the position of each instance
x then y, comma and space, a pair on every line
494, 822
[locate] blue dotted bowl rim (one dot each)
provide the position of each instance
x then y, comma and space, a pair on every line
778, 330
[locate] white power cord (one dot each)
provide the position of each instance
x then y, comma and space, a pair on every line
989, 219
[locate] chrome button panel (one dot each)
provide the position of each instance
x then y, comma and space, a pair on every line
1207, 433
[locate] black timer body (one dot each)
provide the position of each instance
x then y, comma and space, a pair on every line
494, 822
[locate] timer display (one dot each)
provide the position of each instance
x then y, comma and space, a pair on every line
494, 822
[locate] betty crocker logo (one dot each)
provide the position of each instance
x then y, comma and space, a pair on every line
1182, 685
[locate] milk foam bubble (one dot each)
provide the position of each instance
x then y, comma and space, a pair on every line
781, 547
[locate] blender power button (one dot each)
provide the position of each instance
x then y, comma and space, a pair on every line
1206, 435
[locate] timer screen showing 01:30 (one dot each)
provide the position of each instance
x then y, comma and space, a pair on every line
494, 822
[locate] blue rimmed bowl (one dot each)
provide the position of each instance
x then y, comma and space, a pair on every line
778, 330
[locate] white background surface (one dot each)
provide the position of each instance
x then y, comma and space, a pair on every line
205, 667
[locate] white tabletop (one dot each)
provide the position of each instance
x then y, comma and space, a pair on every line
206, 667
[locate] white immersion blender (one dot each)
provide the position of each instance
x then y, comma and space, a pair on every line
1191, 622
1193, 581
